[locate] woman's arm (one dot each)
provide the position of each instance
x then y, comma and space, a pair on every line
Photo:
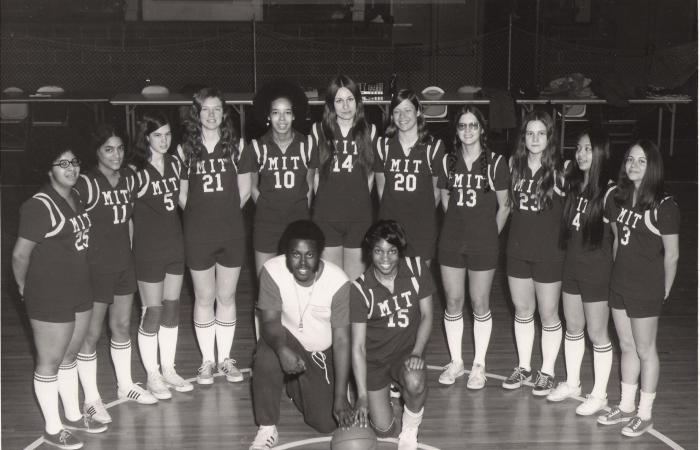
503, 209
254, 187
380, 180
425, 326
436, 191
444, 199
341, 362
370, 181
670, 242
613, 227
21, 255
310, 177
359, 368
244, 187
184, 182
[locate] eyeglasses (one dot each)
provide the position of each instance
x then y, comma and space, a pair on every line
64, 163
472, 126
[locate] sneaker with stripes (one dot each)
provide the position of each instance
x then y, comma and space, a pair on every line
265, 439
97, 411
85, 424
230, 371
137, 394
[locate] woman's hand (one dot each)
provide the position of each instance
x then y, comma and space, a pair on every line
414, 362
361, 412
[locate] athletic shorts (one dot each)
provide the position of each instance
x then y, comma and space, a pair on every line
154, 270
471, 261
267, 235
380, 375
203, 255
106, 285
590, 292
346, 234
539, 271
56, 311
425, 248
636, 308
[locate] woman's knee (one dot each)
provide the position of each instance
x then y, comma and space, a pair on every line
150, 322
414, 382
171, 313
480, 304
598, 333
454, 304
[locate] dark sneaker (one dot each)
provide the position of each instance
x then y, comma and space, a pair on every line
516, 379
63, 439
85, 424
637, 427
615, 416
543, 384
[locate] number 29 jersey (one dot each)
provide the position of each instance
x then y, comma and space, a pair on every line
58, 269
157, 229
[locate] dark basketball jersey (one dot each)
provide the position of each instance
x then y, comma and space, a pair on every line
638, 270
58, 269
392, 319
157, 229
110, 209
534, 231
409, 195
470, 221
282, 179
213, 209
343, 193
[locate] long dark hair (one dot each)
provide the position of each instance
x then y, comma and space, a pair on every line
551, 160
594, 191
396, 100
192, 140
150, 122
651, 189
102, 132
361, 130
484, 156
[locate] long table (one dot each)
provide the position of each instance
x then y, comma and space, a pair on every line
92, 100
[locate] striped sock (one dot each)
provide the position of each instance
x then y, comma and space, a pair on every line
87, 371
574, 348
524, 339
551, 342
482, 336
224, 338
454, 328
602, 365
121, 358
167, 342
46, 390
206, 338
68, 390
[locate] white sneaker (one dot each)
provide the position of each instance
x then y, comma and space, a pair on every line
137, 394
175, 381
477, 377
205, 373
408, 439
563, 391
265, 439
157, 386
228, 368
96, 411
451, 373
591, 405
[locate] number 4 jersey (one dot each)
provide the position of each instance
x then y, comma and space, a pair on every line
392, 318
110, 208
58, 270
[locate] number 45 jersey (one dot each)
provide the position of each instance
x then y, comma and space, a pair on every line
157, 229
110, 208
392, 318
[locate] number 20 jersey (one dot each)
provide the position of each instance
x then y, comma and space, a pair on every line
157, 229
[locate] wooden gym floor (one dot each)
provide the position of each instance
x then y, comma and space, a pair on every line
220, 416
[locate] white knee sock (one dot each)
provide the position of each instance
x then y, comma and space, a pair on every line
46, 390
167, 342
574, 348
68, 390
206, 338
148, 347
551, 342
646, 401
524, 339
87, 371
628, 394
602, 365
482, 336
454, 328
121, 358
411, 419
224, 338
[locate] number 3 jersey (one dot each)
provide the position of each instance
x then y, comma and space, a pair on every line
343, 193
157, 229
58, 268
534, 231
638, 270
110, 208
409, 196
213, 209
392, 319
470, 221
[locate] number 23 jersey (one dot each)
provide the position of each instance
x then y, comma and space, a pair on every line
392, 318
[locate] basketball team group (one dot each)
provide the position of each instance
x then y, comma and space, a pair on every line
345, 294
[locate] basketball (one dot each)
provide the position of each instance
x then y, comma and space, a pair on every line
354, 438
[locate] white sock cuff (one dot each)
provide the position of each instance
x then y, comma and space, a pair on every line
221, 323
68, 366
120, 345
525, 320
483, 318
605, 348
551, 328
574, 337
204, 324
45, 378
453, 318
